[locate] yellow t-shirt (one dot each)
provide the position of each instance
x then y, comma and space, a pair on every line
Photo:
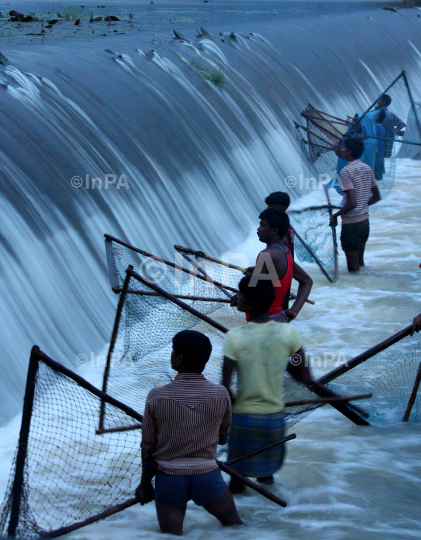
261, 352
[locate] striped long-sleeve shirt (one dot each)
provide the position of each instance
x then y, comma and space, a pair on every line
183, 423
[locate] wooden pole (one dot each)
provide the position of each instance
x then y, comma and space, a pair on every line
176, 301
327, 400
413, 395
19, 480
251, 484
335, 242
205, 274
181, 296
314, 256
111, 348
202, 255
365, 355
102, 515
417, 120
350, 411
261, 449
55, 366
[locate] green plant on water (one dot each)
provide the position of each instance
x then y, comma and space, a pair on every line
71, 14
216, 76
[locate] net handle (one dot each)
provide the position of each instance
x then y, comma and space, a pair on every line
366, 355
202, 255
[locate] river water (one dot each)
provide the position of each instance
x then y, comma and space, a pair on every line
199, 161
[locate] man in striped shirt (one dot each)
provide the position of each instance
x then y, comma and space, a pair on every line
360, 191
182, 425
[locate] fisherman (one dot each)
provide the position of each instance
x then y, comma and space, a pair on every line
260, 352
276, 261
281, 200
392, 124
360, 191
183, 423
381, 134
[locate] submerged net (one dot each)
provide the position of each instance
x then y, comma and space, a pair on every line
390, 377
322, 130
315, 240
71, 473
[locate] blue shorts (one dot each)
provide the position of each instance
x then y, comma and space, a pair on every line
176, 489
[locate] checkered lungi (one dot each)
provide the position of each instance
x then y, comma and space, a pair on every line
251, 431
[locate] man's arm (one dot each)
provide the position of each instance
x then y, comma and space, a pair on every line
226, 423
145, 492
351, 203
304, 287
375, 197
227, 370
298, 368
416, 324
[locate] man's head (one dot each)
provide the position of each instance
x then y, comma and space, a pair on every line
278, 199
384, 101
352, 148
191, 351
274, 224
380, 117
257, 298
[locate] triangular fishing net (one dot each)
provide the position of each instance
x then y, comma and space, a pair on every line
321, 130
70, 473
389, 376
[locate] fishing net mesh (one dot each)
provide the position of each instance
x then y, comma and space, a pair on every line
71, 473
321, 130
390, 377
312, 227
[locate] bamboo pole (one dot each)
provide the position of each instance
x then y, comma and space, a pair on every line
181, 296
19, 478
335, 241
413, 395
251, 484
205, 274
405, 78
176, 301
106, 513
261, 449
111, 348
357, 360
327, 400
314, 256
55, 366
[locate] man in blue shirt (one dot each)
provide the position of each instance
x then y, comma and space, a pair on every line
392, 124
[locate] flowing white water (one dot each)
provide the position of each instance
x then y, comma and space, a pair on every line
341, 481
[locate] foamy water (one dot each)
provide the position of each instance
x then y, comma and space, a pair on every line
341, 481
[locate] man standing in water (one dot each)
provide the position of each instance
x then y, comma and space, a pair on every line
391, 123
260, 351
360, 191
184, 421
